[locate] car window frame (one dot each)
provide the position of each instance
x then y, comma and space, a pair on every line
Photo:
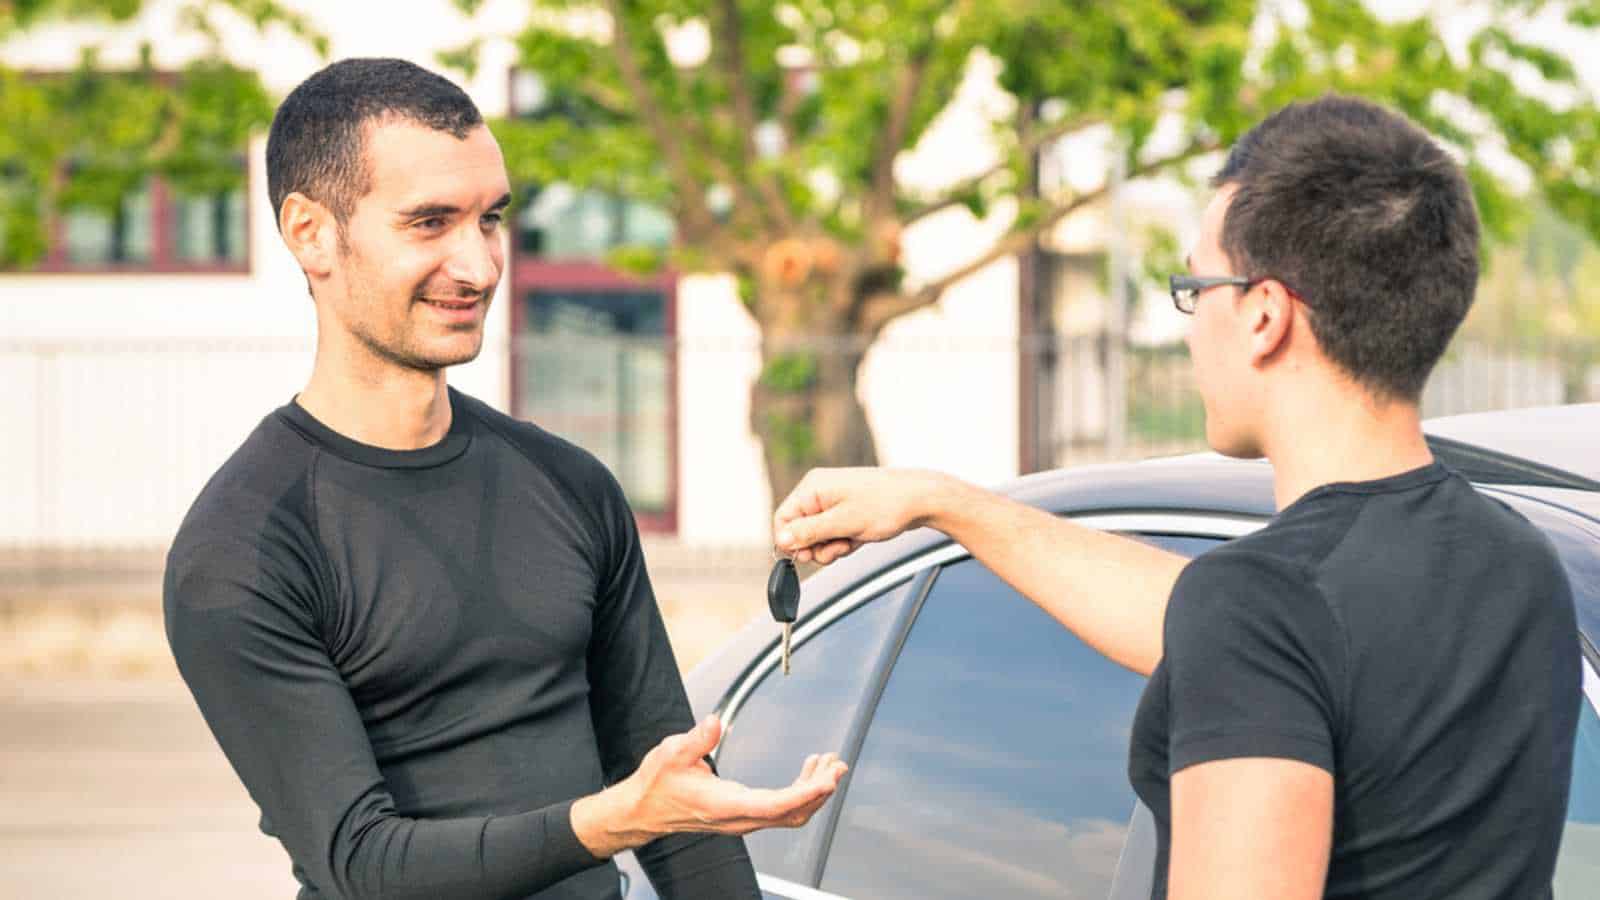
918, 572
922, 570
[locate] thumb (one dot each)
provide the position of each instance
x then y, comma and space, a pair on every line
699, 741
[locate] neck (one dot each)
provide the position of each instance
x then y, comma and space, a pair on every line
376, 402
1326, 433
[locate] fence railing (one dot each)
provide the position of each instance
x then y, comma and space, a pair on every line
107, 442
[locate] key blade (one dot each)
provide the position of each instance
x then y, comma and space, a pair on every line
788, 633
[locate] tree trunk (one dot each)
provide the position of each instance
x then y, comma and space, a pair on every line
804, 408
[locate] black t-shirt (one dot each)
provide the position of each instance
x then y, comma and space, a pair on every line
1410, 636
416, 660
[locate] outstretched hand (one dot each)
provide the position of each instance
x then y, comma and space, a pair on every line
831, 512
673, 790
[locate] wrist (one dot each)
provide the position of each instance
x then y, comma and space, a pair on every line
608, 822
938, 502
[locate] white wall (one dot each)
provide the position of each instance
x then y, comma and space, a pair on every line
722, 483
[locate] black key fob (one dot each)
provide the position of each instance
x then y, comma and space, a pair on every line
783, 591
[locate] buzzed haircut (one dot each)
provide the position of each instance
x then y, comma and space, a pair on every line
1370, 222
317, 143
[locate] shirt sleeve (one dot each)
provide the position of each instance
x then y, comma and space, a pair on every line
637, 699
241, 624
1255, 663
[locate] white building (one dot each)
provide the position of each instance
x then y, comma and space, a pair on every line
129, 382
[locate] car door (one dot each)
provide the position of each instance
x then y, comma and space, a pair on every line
772, 721
996, 759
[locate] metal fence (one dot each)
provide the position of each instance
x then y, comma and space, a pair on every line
108, 441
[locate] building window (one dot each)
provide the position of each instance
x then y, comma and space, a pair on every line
154, 228
92, 237
209, 229
597, 371
563, 222
594, 353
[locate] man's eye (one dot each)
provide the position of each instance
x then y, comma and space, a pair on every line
432, 223
493, 220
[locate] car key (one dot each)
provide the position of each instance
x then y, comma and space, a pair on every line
783, 598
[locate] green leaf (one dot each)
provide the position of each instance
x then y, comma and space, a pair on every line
463, 59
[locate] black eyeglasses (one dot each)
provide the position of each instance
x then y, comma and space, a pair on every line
1186, 289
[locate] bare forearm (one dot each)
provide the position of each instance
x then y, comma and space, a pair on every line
1109, 590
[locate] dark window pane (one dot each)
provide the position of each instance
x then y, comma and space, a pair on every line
996, 764
1578, 868
208, 228
97, 237
1182, 544
595, 369
786, 718
563, 222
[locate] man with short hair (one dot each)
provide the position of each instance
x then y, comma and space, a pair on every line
421, 630
1376, 695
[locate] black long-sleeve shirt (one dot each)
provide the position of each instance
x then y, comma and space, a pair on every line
417, 660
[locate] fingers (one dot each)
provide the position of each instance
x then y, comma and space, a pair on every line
804, 500
739, 809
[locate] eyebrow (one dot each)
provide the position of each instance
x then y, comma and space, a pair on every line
429, 210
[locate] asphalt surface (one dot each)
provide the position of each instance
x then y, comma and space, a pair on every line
115, 788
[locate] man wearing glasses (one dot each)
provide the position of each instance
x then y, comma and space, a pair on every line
1374, 696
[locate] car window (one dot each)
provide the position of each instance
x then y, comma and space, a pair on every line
996, 762
1578, 867
788, 717
1182, 544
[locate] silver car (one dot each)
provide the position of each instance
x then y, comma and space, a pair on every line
988, 746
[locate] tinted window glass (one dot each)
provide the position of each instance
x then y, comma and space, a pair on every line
1183, 544
1578, 868
788, 717
596, 369
996, 763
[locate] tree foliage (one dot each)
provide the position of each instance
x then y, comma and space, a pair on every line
776, 149
88, 136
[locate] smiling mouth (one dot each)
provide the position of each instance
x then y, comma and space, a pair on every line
456, 305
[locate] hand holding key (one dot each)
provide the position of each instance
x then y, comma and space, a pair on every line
783, 599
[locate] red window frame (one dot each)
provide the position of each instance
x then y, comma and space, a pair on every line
531, 273
162, 259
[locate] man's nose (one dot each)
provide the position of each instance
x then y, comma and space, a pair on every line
474, 262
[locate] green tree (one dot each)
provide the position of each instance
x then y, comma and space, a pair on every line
86, 138
795, 119
1540, 296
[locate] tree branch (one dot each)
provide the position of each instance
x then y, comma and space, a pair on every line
1029, 146
881, 309
880, 200
698, 220
728, 45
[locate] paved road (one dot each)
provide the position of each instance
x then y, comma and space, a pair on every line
116, 789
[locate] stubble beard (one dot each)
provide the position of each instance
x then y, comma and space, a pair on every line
401, 348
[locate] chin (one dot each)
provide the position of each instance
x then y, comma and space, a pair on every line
1231, 444
443, 356
443, 360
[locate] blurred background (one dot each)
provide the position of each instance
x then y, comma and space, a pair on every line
749, 238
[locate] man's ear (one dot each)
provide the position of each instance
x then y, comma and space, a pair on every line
1271, 318
311, 233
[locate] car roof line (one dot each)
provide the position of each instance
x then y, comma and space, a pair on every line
1482, 465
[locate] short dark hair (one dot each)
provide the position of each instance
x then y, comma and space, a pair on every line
317, 143
1369, 221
